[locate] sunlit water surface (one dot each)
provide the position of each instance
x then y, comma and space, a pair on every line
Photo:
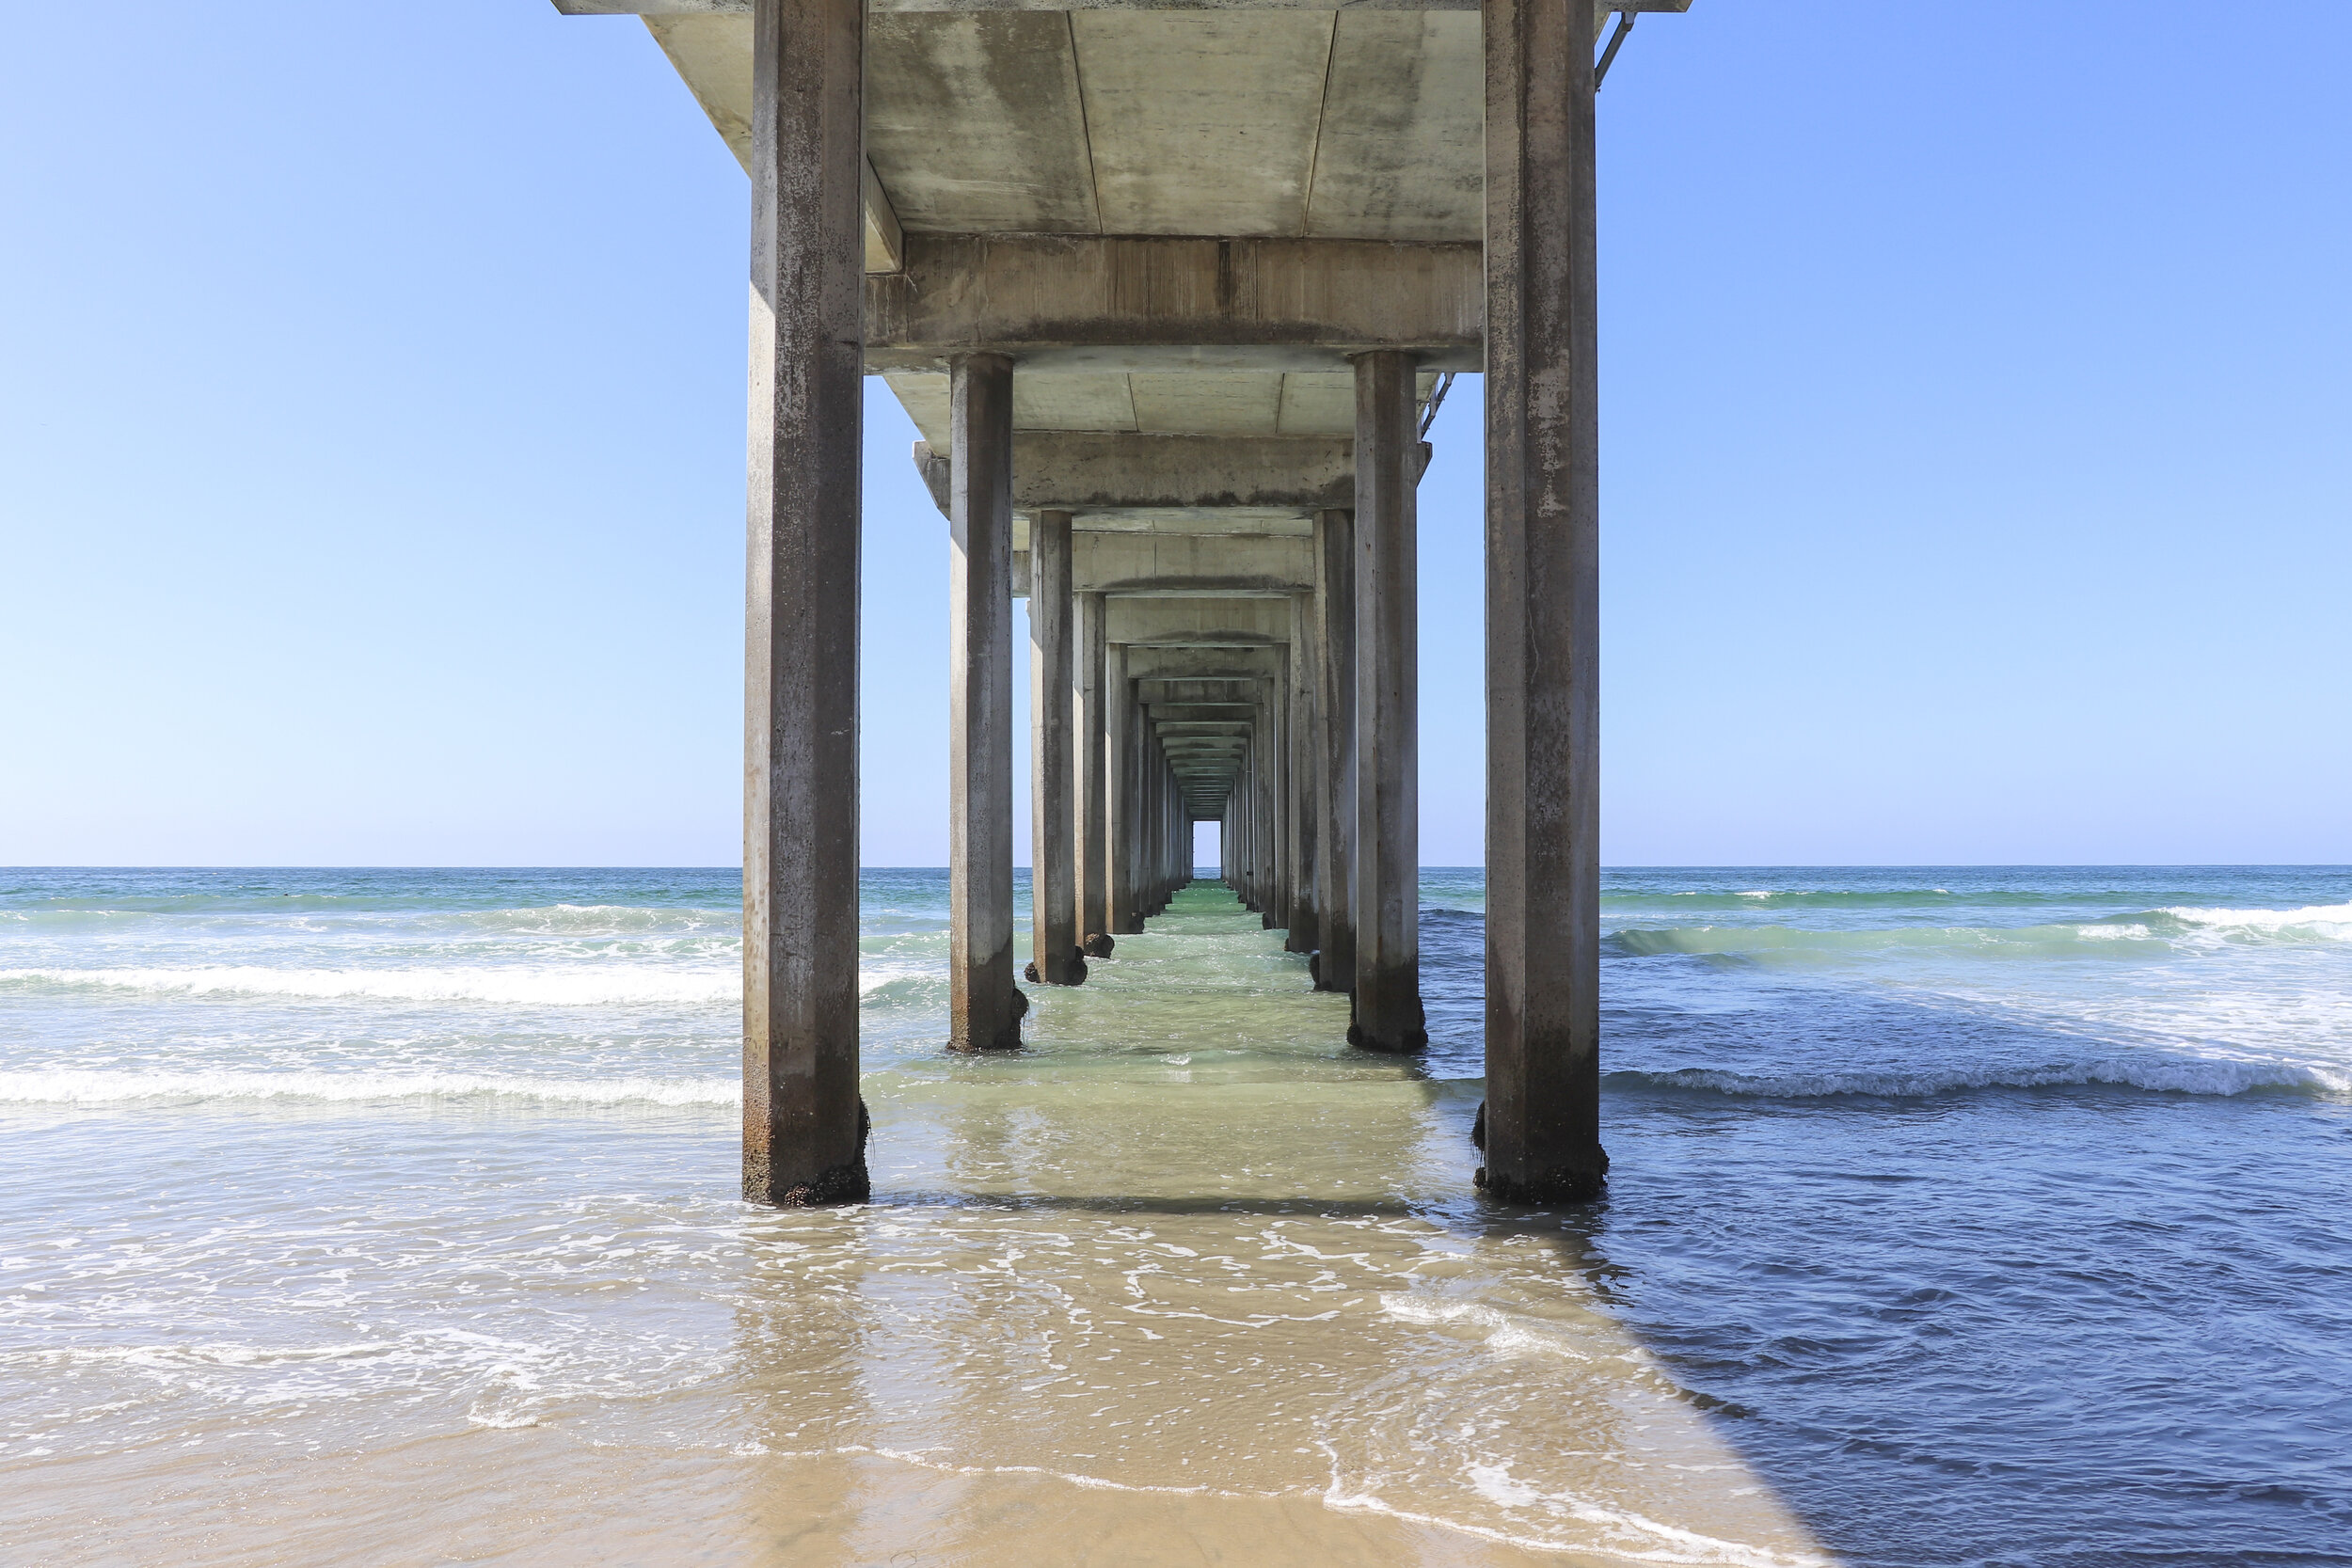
1956, 1216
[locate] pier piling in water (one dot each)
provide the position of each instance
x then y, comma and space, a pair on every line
981, 1013
804, 1125
1194, 445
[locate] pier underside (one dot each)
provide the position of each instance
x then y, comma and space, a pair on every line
1171, 293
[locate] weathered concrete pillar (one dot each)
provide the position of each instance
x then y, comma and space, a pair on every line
1270, 796
804, 1125
1093, 860
1247, 792
1268, 753
1299, 767
1285, 823
1147, 803
1387, 1011
1118, 790
1053, 835
1239, 806
1542, 1117
1159, 825
982, 1011
1335, 772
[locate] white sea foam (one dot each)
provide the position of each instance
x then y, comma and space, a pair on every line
70, 1086
579, 985
2319, 920
1638, 1539
1499, 1331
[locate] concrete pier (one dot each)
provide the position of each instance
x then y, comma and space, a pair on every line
1335, 760
981, 1004
1053, 835
1304, 811
1388, 1010
1542, 1117
1093, 844
1122, 793
1169, 290
803, 1127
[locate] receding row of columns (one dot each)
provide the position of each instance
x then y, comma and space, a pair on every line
1316, 789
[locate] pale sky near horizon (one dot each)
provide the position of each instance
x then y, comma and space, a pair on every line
1977, 466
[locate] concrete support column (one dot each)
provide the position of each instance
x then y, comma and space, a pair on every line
804, 1125
1271, 776
1165, 824
1299, 767
1387, 1011
1542, 1118
1169, 801
1285, 828
982, 1013
1120, 791
1162, 779
1115, 813
1052, 834
1267, 752
1146, 799
1245, 789
1335, 759
1093, 861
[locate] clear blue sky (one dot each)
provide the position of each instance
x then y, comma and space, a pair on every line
1977, 446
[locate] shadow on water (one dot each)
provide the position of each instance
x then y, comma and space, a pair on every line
2060, 1324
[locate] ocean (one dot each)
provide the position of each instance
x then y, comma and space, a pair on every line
1956, 1216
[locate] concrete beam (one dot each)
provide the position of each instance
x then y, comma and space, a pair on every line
1236, 714
1142, 303
1237, 691
1238, 662
1181, 623
1089, 472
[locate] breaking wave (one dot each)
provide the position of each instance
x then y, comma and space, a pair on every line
2146, 932
2163, 1074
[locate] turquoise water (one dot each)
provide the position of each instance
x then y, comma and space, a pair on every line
1972, 1215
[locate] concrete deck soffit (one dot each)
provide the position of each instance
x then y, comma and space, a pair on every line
1207, 118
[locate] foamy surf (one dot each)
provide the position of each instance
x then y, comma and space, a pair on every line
68, 1087
2320, 922
1614, 1534
586, 984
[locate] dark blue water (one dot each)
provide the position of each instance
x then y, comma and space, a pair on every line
2075, 1286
